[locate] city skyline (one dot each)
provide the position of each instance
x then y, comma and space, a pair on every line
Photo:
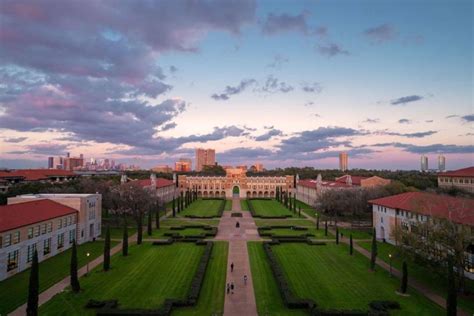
269, 82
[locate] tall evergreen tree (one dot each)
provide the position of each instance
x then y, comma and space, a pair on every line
125, 239
294, 205
277, 193
299, 211
326, 228
139, 229
317, 222
451, 300
174, 207
373, 253
404, 284
351, 245
107, 249
182, 201
150, 223
337, 235
33, 288
157, 216
178, 203
76, 287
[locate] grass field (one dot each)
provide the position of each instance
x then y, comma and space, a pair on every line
356, 234
244, 205
288, 221
318, 234
335, 280
211, 298
420, 273
202, 208
14, 290
117, 232
159, 233
269, 208
144, 279
178, 221
228, 205
309, 210
267, 295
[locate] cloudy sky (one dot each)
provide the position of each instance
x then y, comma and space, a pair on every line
285, 83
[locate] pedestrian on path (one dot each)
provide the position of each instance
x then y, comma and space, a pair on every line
228, 288
245, 279
232, 287
232, 267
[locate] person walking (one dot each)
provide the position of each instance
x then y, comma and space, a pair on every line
228, 288
232, 267
245, 279
232, 287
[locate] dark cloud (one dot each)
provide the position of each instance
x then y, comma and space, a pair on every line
404, 121
410, 135
429, 149
405, 100
321, 31
268, 127
275, 24
229, 90
43, 149
272, 85
371, 121
15, 139
243, 154
331, 50
169, 126
278, 61
468, 118
314, 87
268, 135
452, 115
381, 33
173, 69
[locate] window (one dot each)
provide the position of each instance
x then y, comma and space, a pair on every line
74, 219
8, 240
31, 251
381, 220
69, 220
30, 232
72, 235
46, 246
60, 223
37, 230
43, 229
50, 227
16, 237
398, 212
60, 240
12, 262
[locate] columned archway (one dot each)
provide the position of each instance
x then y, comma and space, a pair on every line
235, 191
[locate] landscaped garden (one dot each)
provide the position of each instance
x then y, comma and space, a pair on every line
228, 205
268, 208
188, 230
289, 221
142, 280
244, 205
331, 278
285, 230
14, 290
356, 233
421, 273
204, 208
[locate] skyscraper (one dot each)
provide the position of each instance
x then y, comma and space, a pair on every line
441, 163
424, 163
343, 161
183, 165
205, 157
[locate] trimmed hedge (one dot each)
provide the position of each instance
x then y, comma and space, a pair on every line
210, 231
264, 231
236, 215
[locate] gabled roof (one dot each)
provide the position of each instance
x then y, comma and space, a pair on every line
457, 209
329, 184
160, 182
356, 180
36, 174
465, 172
22, 214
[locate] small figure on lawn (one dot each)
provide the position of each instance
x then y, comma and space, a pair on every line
228, 288
245, 279
232, 267
232, 287
237, 224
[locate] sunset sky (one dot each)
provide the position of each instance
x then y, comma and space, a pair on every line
284, 83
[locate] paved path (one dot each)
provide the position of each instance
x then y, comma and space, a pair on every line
242, 302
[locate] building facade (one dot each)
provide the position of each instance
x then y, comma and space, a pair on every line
235, 183
461, 179
42, 225
205, 157
12, 177
343, 161
88, 207
164, 189
441, 163
183, 165
424, 163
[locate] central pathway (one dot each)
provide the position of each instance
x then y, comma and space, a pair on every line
242, 302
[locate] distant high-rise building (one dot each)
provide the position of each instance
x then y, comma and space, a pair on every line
441, 163
72, 163
55, 163
50, 162
424, 163
343, 161
205, 157
258, 167
162, 169
183, 165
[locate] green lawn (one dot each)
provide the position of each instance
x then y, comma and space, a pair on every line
417, 271
356, 234
117, 232
318, 234
244, 205
211, 298
187, 221
287, 221
335, 280
202, 208
228, 205
14, 290
267, 295
309, 210
159, 233
144, 279
269, 208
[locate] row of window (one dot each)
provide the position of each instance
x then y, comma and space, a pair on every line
456, 180
14, 256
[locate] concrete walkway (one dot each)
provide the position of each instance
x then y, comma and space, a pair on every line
242, 302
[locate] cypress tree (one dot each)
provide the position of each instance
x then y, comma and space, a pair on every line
294, 205
33, 289
149, 223
317, 222
404, 284
179, 204
451, 300
182, 201
325, 228
351, 245
299, 211
276, 193
125, 239
76, 287
157, 217
139, 229
337, 235
107, 249
174, 207
373, 254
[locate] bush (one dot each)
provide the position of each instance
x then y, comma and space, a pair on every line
384, 305
236, 214
101, 304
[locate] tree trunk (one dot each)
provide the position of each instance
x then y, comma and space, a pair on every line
139, 229
33, 289
107, 249
451, 300
75, 286
125, 239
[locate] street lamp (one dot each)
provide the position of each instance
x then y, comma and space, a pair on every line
87, 254
390, 257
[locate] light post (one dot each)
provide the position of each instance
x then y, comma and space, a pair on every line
87, 254
390, 259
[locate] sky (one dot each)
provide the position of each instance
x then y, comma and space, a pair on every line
283, 83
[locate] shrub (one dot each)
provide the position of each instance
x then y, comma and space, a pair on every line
384, 305
236, 214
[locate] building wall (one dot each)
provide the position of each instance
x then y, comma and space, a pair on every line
463, 183
307, 195
373, 182
68, 224
166, 193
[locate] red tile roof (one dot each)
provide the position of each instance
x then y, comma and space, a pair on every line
330, 184
466, 172
160, 182
22, 214
356, 180
456, 209
36, 174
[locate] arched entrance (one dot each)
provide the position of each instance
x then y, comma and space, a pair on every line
236, 192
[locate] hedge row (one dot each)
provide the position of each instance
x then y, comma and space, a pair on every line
236, 215
254, 214
169, 304
210, 231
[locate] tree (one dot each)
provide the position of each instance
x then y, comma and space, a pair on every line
174, 207
149, 223
76, 287
107, 249
337, 235
277, 193
373, 253
317, 222
157, 215
33, 289
294, 205
139, 229
351, 245
451, 300
125, 238
404, 284
326, 228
